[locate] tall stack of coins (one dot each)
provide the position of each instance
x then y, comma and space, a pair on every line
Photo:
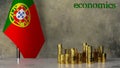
84, 54
73, 56
89, 55
60, 49
86, 47
101, 54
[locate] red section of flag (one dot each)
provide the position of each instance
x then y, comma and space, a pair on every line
29, 39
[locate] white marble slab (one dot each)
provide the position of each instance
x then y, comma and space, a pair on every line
52, 63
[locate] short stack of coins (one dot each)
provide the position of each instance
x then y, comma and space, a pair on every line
84, 53
73, 56
79, 58
103, 57
67, 56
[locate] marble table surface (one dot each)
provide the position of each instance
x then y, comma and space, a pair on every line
52, 63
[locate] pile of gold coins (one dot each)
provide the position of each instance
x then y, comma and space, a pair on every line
88, 55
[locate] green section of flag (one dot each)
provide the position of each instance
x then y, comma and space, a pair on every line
27, 2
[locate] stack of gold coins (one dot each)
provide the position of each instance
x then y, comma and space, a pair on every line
79, 58
83, 57
103, 57
59, 52
99, 59
95, 55
67, 58
62, 59
86, 52
89, 56
100, 52
73, 56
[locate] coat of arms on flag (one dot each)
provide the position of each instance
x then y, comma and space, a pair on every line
24, 29
20, 15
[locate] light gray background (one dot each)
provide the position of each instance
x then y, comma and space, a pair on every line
61, 23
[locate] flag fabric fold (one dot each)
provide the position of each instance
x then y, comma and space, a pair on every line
23, 28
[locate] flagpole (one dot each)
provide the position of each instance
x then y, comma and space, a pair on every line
18, 55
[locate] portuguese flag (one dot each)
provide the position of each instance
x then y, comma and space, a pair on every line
23, 28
